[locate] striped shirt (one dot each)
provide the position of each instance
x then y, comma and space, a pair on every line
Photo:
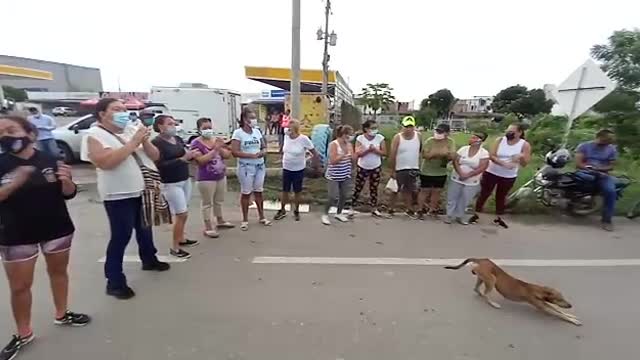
342, 170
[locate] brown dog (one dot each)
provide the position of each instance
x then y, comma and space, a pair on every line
543, 298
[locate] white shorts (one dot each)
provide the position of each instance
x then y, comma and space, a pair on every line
251, 177
178, 196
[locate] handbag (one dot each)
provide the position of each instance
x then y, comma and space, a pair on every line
155, 208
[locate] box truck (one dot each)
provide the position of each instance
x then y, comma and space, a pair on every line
189, 102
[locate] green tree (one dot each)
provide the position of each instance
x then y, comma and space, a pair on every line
442, 101
17, 95
619, 100
426, 116
521, 101
376, 97
621, 57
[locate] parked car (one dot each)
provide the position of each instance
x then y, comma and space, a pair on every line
63, 111
69, 137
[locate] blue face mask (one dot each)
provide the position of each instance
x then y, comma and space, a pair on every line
121, 119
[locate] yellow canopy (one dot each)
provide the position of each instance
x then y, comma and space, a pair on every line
25, 72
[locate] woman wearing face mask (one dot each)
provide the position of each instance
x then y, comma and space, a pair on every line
508, 154
35, 218
114, 146
249, 147
437, 151
211, 177
173, 166
470, 162
339, 173
294, 159
370, 148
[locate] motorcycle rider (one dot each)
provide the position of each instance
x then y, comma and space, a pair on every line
594, 160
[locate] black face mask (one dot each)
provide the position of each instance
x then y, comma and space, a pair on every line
12, 144
510, 135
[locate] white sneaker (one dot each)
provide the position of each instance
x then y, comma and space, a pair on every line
341, 218
325, 220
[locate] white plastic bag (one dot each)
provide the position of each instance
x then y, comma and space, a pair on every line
392, 185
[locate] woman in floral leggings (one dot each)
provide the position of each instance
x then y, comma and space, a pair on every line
370, 148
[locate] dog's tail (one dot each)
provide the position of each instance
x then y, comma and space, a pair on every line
469, 260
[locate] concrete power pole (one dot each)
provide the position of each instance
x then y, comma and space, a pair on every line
295, 60
325, 54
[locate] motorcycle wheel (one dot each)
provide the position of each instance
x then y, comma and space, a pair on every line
587, 209
634, 212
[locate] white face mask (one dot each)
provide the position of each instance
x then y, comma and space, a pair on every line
254, 123
207, 133
438, 136
373, 132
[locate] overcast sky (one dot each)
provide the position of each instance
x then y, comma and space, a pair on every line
471, 47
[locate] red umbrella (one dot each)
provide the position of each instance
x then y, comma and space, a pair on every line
134, 104
89, 103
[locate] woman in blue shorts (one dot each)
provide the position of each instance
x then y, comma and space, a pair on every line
249, 147
294, 161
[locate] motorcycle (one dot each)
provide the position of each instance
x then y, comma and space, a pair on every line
575, 192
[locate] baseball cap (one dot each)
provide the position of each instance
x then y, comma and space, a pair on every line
408, 121
443, 128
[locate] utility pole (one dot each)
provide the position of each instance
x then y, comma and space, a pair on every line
295, 60
325, 54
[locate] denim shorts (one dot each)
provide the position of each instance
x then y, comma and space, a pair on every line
19, 253
251, 177
178, 196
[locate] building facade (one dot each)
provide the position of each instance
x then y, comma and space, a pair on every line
41, 75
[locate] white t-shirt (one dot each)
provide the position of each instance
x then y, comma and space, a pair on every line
125, 180
371, 160
250, 144
294, 152
468, 164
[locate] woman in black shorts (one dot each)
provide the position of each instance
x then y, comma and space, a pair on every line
34, 218
437, 151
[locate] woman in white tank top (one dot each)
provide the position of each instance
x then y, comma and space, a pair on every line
508, 154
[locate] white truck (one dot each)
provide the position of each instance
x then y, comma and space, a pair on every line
189, 102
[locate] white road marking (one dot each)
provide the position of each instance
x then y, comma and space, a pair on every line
442, 262
136, 259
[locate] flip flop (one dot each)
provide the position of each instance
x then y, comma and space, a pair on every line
265, 222
244, 226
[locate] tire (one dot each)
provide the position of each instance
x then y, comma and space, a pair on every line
596, 205
65, 152
634, 212
320, 137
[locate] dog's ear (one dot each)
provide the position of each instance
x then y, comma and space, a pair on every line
544, 294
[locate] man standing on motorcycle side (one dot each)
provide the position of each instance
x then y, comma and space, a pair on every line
594, 160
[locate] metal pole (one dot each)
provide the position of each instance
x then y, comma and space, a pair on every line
574, 106
295, 60
325, 54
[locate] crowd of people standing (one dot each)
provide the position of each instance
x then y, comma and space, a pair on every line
145, 182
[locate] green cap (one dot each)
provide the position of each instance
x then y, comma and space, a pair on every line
408, 121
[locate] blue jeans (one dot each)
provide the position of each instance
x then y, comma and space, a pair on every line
124, 216
607, 186
49, 146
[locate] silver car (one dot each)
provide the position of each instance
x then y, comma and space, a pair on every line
69, 137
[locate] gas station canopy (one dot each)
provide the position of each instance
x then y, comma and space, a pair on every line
310, 80
25, 72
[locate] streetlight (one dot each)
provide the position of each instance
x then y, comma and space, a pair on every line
329, 40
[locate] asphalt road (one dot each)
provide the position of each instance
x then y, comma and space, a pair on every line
222, 305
